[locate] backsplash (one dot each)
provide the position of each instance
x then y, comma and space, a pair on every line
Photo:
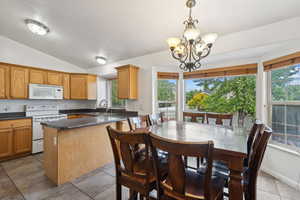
18, 105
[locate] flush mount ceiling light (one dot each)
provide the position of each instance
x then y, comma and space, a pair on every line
101, 60
191, 48
36, 27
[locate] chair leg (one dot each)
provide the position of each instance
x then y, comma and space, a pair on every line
185, 161
132, 195
119, 191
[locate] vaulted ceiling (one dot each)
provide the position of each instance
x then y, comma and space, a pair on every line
120, 29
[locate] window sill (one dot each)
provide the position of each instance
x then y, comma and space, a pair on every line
284, 149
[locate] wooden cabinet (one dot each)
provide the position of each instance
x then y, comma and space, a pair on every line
6, 142
15, 137
4, 82
66, 85
127, 82
22, 139
37, 76
54, 78
83, 86
19, 79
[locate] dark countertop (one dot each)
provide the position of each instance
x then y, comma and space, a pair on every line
65, 124
13, 115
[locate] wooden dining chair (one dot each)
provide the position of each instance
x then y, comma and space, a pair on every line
257, 127
219, 118
138, 122
194, 116
255, 159
156, 119
183, 183
136, 172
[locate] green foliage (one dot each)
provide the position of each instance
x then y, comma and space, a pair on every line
234, 95
166, 90
190, 94
282, 90
115, 101
197, 101
226, 95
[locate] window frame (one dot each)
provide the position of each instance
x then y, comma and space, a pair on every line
271, 102
176, 95
109, 94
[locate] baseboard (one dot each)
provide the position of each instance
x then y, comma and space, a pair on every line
282, 178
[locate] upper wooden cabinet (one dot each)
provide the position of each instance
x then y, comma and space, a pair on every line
37, 76
4, 82
83, 86
19, 77
54, 78
66, 85
127, 82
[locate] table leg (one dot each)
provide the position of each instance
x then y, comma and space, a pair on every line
235, 180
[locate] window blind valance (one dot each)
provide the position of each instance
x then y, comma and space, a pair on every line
224, 71
282, 61
168, 75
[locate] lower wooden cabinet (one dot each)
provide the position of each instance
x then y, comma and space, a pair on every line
15, 138
22, 139
6, 142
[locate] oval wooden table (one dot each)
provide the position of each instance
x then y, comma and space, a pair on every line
230, 146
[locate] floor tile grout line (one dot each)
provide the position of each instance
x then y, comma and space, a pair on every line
83, 192
12, 181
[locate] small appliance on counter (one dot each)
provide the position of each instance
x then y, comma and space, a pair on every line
41, 113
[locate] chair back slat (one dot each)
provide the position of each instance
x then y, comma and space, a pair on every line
138, 122
255, 159
126, 142
177, 171
156, 119
257, 127
219, 118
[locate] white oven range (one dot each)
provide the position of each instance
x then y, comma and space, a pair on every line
41, 113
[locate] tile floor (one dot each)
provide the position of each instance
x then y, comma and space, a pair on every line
24, 178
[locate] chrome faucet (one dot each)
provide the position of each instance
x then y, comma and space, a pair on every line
104, 104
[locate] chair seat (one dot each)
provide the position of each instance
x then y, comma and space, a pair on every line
140, 170
194, 186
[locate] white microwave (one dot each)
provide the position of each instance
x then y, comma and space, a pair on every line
38, 91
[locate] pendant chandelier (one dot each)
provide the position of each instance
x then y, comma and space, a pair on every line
191, 48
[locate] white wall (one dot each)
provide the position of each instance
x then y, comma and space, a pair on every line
17, 53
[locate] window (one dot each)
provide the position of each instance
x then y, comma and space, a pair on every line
112, 94
230, 94
167, 98
284, 109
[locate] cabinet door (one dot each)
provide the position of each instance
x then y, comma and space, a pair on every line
19, 82
4, 82
38, 76
92, 87
54, 78
66, 85
6, 142
22, 139
78, 86
123, 83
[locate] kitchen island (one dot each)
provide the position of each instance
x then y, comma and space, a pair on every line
73, 147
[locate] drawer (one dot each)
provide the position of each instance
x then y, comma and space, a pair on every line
15, 123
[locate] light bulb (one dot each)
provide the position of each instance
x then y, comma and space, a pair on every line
101, 60
173, 42
191, 33
210, 38
37, 27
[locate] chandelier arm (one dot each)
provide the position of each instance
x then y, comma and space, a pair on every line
174, 56
208, 52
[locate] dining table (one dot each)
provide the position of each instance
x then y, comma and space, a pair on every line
230, 146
